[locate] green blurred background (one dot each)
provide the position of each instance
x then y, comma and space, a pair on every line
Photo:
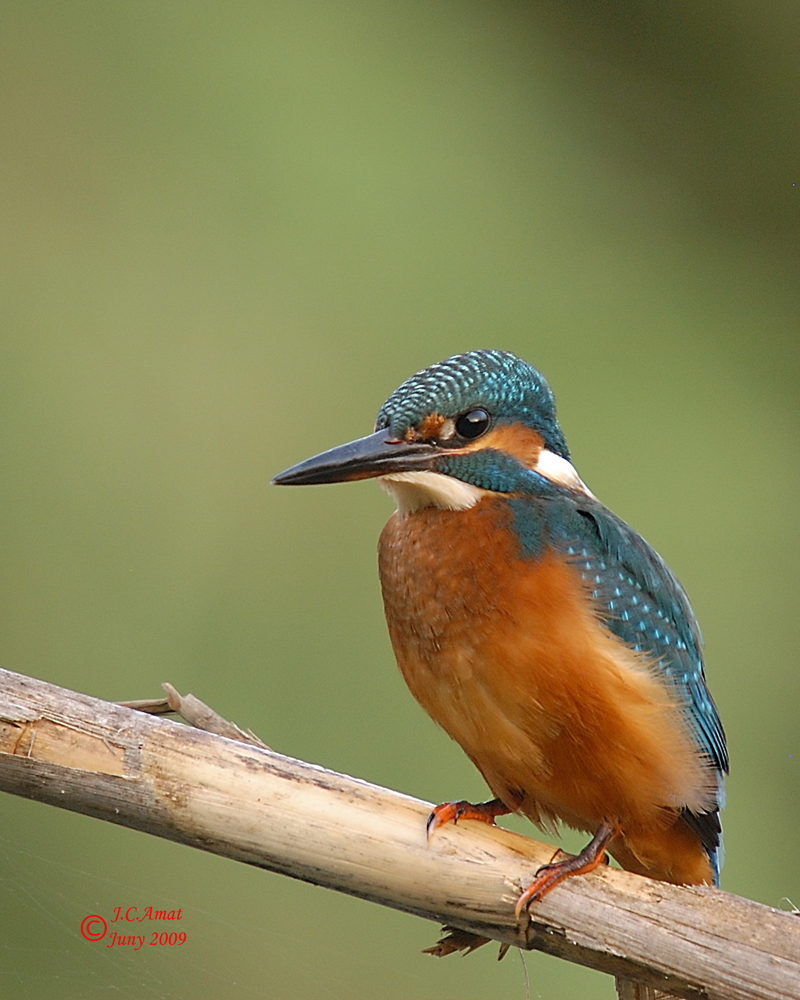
228, 232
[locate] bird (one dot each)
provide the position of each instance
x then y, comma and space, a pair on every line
536, 627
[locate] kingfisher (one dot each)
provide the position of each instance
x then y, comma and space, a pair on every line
538, 629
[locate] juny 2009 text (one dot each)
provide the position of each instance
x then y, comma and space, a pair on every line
136, 941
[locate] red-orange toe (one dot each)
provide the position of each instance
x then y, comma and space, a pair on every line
549, 876
452, 812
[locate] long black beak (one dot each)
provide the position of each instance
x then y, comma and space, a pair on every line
376, 455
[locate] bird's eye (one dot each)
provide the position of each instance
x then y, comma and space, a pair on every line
473, 424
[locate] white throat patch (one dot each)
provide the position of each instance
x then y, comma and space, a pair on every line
412, 491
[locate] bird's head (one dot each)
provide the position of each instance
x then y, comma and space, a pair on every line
478, 422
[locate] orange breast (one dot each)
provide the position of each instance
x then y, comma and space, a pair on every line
561, 718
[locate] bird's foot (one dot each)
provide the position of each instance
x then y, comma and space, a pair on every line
549, 876
452, 812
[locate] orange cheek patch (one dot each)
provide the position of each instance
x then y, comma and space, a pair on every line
514, 439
